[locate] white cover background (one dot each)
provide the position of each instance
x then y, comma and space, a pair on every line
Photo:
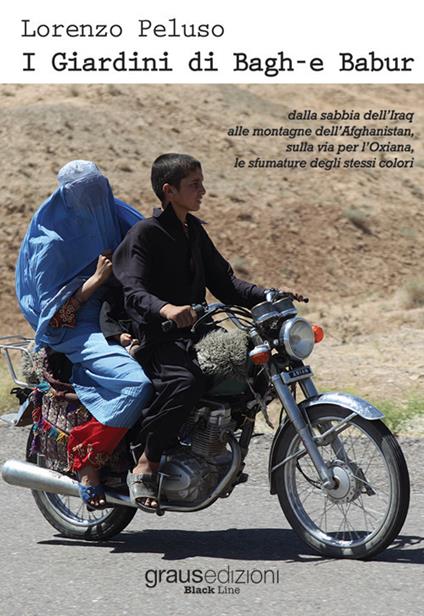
302, 29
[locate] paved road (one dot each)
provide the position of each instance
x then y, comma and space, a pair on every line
45, 575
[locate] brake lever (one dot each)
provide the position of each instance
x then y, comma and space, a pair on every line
204, 312
273, 294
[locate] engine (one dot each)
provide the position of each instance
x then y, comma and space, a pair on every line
193, 469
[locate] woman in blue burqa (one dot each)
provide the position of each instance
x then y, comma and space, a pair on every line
64, 261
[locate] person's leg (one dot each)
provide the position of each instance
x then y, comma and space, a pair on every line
109, 382
91, 494
90, 445
178, 384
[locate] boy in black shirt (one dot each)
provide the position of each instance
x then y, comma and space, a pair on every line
165, 263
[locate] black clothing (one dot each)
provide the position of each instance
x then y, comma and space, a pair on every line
178, 383
177, 379
114, 319
159, 263
162, 261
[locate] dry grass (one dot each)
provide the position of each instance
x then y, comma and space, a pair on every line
8, 402
241, 266
413, 294
399, 418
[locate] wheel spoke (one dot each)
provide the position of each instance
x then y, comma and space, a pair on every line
323, 518
308, 495
370, 461
367, 510
319, 508
344, 509
80, 509
342, 514
75, 511
378, 491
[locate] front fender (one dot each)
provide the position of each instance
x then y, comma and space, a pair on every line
351, 403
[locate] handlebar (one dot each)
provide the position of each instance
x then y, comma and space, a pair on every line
205, 310
271, 295
170, 325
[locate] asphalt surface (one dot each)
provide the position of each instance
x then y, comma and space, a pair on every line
246, 535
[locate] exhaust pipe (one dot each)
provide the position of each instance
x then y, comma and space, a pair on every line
27, 475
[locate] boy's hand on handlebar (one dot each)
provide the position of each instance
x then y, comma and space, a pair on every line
183, 316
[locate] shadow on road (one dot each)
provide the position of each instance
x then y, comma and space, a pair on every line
404, 550
234, 544
265, 544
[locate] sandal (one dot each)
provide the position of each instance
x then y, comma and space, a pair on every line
143, 488
90, 493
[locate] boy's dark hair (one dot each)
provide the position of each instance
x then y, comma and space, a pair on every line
171, 169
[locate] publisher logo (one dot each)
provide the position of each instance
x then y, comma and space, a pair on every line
224, 581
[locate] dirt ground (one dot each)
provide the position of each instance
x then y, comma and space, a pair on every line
352, 240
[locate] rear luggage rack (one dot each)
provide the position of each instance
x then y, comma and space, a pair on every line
15, 343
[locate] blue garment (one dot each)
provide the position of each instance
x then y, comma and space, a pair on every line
77, 223
107, 380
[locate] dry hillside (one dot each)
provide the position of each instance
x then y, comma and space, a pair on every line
350, 239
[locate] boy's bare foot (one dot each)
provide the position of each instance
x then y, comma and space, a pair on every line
145, 466
150, 503
144, 473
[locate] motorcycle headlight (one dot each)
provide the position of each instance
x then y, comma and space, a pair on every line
297, 337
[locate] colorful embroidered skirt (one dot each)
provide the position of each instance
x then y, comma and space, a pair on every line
67, 435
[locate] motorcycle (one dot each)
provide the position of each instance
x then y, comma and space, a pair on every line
338, 472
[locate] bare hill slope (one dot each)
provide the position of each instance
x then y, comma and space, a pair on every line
349, 236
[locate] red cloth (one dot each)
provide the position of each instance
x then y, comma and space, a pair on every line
92, 443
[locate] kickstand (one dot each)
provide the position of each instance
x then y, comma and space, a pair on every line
162, 476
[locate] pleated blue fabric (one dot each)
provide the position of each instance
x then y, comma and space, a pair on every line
78, 222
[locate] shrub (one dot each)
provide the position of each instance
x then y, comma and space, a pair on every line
358, 218
414, 294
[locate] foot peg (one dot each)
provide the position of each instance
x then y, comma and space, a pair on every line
242, 478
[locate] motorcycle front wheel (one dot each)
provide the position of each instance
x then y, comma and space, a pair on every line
365, 511
70, 516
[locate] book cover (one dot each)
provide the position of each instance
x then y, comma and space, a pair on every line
308, 122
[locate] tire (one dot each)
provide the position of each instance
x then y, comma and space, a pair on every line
71, 518
367, 510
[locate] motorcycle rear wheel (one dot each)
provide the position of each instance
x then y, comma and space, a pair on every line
366, 511
70, 516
